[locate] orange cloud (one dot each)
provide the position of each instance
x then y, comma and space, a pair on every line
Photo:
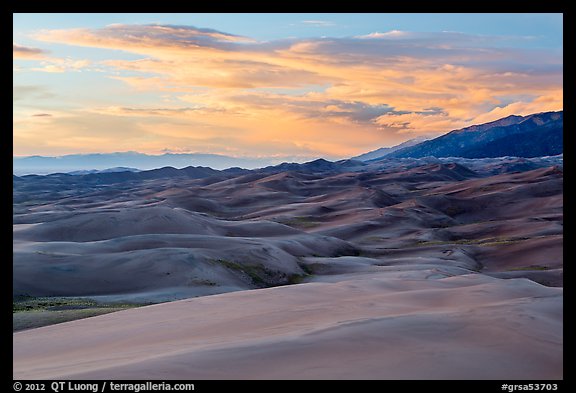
544, 103
331, 96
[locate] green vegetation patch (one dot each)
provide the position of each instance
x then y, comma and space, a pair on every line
306, 267
479, 242
528, 268
30, 312
296, 278
301, 222
501, 241
202, 282
313, 268
261, 276
30, 303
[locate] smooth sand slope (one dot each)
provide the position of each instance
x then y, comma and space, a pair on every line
391, 325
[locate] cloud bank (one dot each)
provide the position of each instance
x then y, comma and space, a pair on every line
332, 96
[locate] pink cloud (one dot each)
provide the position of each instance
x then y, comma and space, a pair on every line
26, 52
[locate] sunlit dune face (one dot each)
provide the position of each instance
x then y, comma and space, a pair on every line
196, 88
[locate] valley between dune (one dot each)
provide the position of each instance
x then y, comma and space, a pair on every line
416, 271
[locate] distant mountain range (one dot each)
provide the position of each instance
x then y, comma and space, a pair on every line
536, 135
104, 177
109, 170
457, 169
104, 161
120, 175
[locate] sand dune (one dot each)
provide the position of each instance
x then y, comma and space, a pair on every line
375, 326
100, 225
508, 222
413, 271
191, 265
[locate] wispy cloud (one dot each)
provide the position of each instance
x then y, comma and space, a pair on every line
388, 34
47, 63
61, 65
26, 52
159, 112
141, 38
318, 23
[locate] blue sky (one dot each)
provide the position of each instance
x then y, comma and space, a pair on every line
547, 27
273, 84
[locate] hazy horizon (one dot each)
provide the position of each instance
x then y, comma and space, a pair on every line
41, 165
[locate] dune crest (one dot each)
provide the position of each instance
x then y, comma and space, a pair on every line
418, 271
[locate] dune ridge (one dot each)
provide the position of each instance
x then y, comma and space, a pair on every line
428, 271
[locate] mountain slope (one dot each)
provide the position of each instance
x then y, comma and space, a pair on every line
384, 151
522, 136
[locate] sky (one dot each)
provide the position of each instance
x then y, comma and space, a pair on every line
299, 86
